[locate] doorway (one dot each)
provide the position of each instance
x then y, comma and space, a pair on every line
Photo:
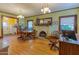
8, 25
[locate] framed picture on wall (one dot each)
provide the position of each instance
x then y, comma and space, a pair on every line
44, 21
41, 21
68, 23
48, 20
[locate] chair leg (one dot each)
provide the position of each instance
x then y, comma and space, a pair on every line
56, 47
52, 45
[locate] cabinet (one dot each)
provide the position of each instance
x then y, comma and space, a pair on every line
68, 48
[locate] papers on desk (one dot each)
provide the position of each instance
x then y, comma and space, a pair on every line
69, 41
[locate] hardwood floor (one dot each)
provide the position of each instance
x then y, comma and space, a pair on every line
30, 47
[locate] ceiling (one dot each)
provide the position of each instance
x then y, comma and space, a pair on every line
31, 9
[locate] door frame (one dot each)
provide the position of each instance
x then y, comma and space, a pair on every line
2, 23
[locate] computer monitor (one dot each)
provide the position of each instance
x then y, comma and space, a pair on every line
69, 35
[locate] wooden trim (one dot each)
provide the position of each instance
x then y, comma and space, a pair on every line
18, 25
1, 26
48, 18
75, 21
10, 17
38, 21
52, 12
2, 23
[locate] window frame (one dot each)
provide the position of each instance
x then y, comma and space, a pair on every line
75, 22
27, 23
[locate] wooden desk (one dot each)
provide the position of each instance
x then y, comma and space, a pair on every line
69, 48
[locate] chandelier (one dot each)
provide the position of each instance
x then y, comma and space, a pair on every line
45, 9
20, 16
20, 11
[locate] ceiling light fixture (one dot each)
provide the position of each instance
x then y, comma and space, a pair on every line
20, 13
45, 9
20, 16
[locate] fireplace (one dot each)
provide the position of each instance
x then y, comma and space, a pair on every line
42, 34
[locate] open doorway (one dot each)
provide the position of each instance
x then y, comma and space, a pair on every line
8, 25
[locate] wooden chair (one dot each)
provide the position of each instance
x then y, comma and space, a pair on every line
53, 41
32, 35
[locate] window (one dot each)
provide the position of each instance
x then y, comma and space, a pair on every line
5, 24
68, 23
30, 25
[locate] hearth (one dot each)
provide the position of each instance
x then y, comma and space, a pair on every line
42, 34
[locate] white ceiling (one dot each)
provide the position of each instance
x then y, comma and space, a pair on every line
31, 9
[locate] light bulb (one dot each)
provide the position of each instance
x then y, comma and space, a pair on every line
20, 16
42, 10
45, 10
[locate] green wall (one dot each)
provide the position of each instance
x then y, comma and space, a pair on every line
55, 18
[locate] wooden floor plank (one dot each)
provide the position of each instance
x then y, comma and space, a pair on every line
30, 47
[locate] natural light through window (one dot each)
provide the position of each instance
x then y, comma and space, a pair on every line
30, 26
